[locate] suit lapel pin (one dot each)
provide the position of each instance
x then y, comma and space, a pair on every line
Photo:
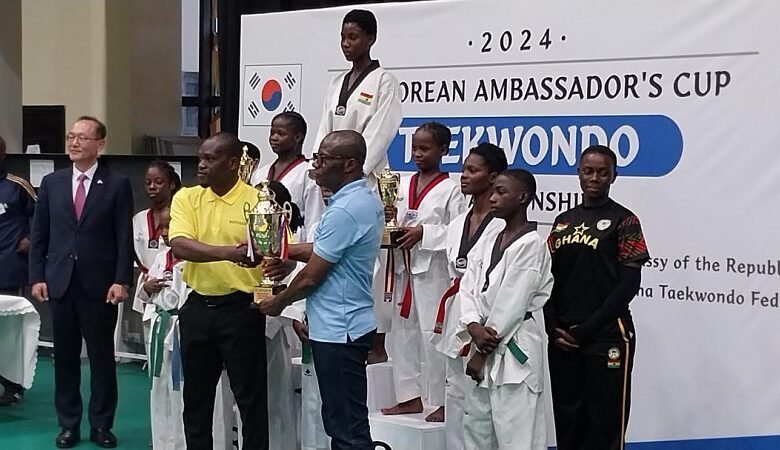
99, 181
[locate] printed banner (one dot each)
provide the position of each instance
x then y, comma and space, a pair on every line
686, 93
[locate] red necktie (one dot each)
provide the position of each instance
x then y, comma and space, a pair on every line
81, 196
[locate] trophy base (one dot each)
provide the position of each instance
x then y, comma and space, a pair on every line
261, 293
390, 237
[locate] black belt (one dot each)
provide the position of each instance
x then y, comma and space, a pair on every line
215, 301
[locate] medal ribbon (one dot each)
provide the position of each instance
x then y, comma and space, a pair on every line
406, 303
285, 238
154, 232
389, 275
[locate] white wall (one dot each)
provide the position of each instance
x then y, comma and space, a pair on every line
190, 21
114, 59
64, 47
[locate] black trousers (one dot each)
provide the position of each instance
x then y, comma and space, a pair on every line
591, 390
219, 332
74, 316
341, 374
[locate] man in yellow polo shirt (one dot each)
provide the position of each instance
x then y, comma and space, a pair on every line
208, 231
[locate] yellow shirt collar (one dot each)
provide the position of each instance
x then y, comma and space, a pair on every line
233, 194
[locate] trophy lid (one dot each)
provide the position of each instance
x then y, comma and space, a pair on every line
266, 200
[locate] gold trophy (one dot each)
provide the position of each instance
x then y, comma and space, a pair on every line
267, 232
388, 191
246, 166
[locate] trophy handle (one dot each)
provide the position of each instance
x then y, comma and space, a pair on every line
287, 210
247, 210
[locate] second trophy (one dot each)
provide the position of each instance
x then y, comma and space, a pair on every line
268, 236
389, 183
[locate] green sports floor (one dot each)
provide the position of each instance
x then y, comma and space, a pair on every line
32, 423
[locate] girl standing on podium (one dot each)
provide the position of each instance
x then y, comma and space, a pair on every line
291, 168
465, 234
427, 203
366, 99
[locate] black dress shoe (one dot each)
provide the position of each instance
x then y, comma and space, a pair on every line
67, 438
11, 397
103, 438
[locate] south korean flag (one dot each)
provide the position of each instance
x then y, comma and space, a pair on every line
269, 90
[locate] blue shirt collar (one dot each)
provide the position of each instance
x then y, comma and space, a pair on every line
347, 189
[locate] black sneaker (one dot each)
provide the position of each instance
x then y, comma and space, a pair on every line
11, 398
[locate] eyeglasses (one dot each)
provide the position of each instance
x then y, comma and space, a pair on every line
74, 138
320, 157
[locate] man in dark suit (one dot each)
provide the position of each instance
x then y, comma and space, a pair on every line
81, 259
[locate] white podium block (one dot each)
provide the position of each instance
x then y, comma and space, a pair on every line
407, 431
381, 390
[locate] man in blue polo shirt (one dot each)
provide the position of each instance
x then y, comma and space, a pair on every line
336, 282
17, 204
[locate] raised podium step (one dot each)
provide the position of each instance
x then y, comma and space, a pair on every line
407, 431
381, 390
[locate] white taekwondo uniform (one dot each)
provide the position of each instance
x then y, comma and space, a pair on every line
372, 107
420, 279
445, 340
500, 290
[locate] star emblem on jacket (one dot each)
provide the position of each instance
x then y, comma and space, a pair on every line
581, 228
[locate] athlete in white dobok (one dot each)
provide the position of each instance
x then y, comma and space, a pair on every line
160, 184
505, 282
465, 234
417, 273
164, 292
291, 168
365, 99
290, 182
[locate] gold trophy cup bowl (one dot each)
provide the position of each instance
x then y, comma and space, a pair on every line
267, 225
388, 183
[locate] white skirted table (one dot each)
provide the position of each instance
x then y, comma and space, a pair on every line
19, 328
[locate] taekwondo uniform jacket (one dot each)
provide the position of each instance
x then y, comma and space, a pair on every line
147, 243
445, 338
165, 352
437, 209
372, 108
520, 283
